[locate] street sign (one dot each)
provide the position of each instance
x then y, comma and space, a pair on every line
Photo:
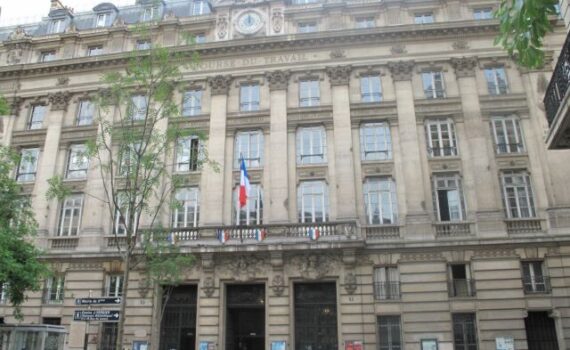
96, 315
97, 301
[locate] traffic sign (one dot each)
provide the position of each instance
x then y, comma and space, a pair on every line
97, 301
96, 315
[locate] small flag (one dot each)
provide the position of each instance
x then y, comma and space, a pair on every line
260, 235
223, 235
314, 233
244, 185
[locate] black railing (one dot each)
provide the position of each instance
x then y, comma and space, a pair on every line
536, 284
462, 288
387, 290
558, 83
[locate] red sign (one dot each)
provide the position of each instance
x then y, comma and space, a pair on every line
353, 345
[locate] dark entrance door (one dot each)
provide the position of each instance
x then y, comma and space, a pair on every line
540, 331
315, 316
245, 324
178, 330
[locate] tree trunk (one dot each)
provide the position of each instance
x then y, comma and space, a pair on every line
121, 328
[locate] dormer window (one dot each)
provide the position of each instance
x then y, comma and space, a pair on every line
57, 26
103, 20
149, 14
200, 7
302, 2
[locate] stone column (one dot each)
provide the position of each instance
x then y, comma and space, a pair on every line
344, 161
417, 221
277, 163
212, 189
48, 159
478, 159
7, 122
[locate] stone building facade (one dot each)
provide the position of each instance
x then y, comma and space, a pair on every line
392, 129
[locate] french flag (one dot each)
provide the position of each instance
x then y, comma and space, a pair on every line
314, 233
260, 235
223, 235
244, 185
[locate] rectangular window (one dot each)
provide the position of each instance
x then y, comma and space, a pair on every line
386, 283
149, 14
313, 201
534, 277
37, 116
365, 22
138, 107
309, 93
448, 198
143, 45
249, 146
302, 2
53, 292
464, 331
252, 212
28, 164
128, 158
200, 38
192, 103
375, 141
70, 216
507, 134
389, 333
380, 201
249, 97
517, 194
315, 319
47, 56
311, 145
114, 286
109, 333
441, 138
122, 214
460, 282
85, 113
57, 26
199, 8
306, 27
103, 20
423, 18
186, 212
433, 85
370, 88
77, 162
55, 321
496, 81
483, 13
188, 154
95, 50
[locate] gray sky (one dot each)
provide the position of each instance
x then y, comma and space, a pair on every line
25, 11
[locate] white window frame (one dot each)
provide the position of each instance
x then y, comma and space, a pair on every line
249, 97
188, 205
385, 276
381, 192
365, 22
47, 56
309, 92
254, 205
188, 153
452, 182
138, 107
376, 136
54, 296
510, 126
199, 8
424, 18
317, 141
85, 113
27, 170
57, 26
523, 194
430, 82
192, 102
249, 145
149, 13
316, 192
368, 91
536, 269
95, 50
102, 20
127, 158
455, 281
492, 76
306, 27
114, 286
77, 162
70, 215
119, 228
143, 44
483, 13
445, 129
37, 116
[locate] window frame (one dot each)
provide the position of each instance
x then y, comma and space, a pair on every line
136, 112
203, 8
70, 225
387, 285
365, 22
77, 149
106, 16
117, 291
57, 296
382, 145
441, 141
380, 192
82, 119
190, 207
47, 56
494, 86
189, 162
251, 137
312, 132
192, 102
535, 272
119, 228
309, 92
367, 87
254, 205
431, 90
424, 17
315, 195
482, 13
94, 50
34, 124
143, 44
306, 27
390, 342
57, 26
466, 345
506, 122
249, 96
457, 180
528, 191
149, 13
20, 170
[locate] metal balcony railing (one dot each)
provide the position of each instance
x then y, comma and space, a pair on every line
461, 288
536, 284
387, 291
559, 83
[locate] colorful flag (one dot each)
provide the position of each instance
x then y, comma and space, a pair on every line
223, 235
260, 235
314, 233
244, 185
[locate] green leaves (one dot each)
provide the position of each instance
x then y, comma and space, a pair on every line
3, 106
523, 25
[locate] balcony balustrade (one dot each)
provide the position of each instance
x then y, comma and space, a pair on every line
452, 229
515, 226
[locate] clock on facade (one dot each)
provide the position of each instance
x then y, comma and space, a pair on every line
249, 22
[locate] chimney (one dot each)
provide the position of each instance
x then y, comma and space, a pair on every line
56, 5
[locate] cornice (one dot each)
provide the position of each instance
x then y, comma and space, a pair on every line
390, 34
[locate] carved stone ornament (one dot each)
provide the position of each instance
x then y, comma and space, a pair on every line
208, 286
61, 81
245, 267
144, 287
119, 22
401, 70
460, 45
464, 66
59, 100
277, 20
339, 75
278, 285
350, 284
15, 52
222, 25
398, 49
316, 266
337, 53
278, 80
170, 15
19, 34
220, 84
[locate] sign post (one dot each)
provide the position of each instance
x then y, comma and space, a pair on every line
96, 315
98, 301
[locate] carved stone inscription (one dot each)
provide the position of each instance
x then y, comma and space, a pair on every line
252, 61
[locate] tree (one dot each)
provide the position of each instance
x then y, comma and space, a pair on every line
20, 260
3, 106
523, 25
131, 154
